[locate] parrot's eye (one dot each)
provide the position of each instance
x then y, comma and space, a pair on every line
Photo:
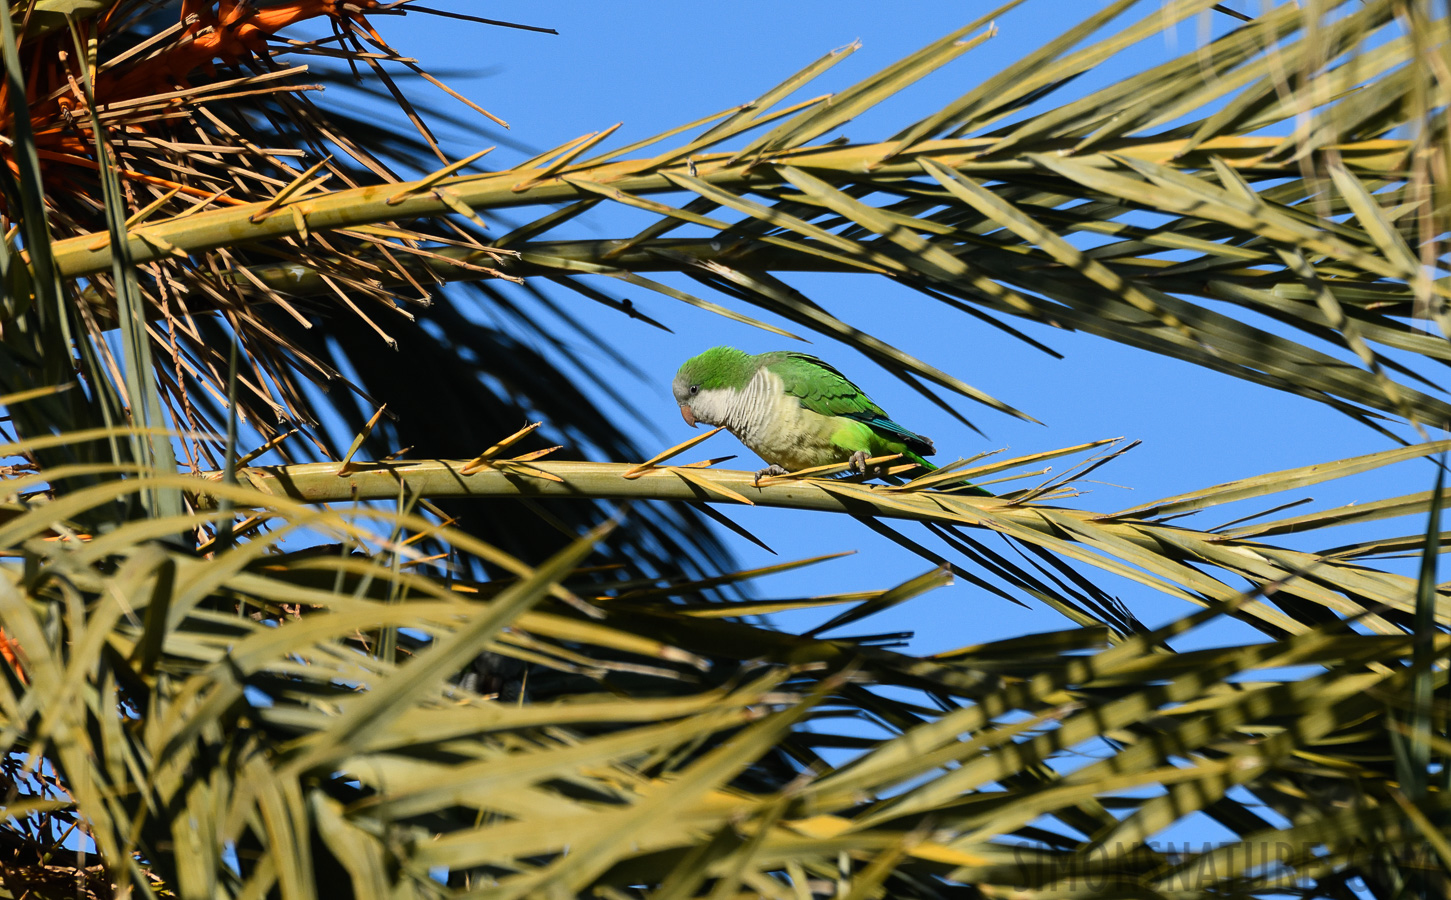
695, 388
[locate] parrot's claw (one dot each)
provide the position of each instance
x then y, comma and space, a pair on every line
859, 462
770, 470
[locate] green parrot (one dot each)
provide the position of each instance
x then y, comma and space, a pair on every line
793, 410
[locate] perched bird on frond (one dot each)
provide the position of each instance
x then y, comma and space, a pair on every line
793, 410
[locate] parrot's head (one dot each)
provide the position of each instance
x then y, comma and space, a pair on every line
708, 384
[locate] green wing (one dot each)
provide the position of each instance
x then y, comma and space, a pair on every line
822, 389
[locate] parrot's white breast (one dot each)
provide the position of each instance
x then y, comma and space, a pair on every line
772, 423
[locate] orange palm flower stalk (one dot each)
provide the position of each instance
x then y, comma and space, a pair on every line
233, 33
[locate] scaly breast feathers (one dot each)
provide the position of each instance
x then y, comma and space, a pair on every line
781, 431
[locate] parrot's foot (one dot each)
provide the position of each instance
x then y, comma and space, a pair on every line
858, 463
770, 470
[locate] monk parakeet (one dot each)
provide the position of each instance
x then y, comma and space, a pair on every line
793, 410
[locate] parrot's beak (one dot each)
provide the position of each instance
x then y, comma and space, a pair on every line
688, 415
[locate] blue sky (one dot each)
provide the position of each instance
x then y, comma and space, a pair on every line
655, 66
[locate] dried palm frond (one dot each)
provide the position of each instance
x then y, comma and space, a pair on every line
209, 106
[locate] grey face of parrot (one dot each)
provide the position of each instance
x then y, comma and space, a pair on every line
685, 395
704, 393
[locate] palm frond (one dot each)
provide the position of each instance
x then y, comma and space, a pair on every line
659, 747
